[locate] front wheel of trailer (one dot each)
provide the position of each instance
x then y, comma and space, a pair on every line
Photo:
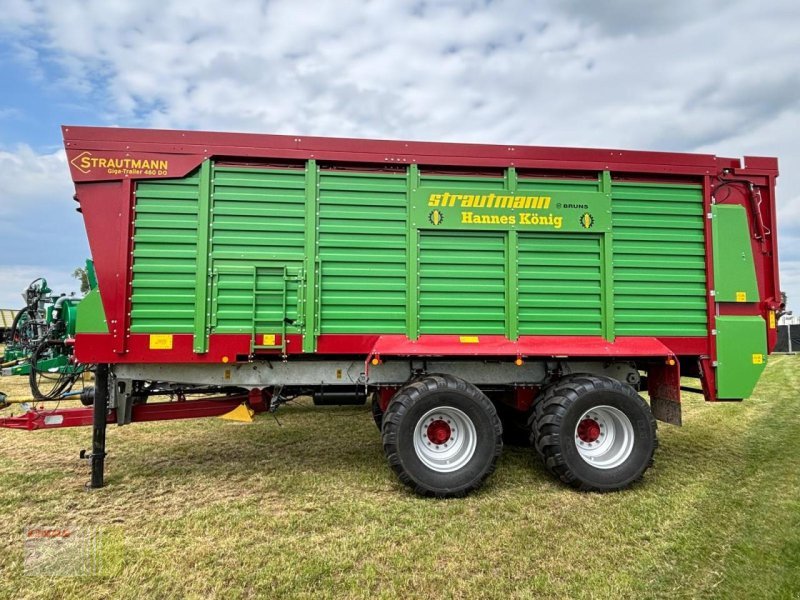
442, 436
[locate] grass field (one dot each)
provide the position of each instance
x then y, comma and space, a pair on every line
310, 509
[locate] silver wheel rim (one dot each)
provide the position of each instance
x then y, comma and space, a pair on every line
448, 454
604, 437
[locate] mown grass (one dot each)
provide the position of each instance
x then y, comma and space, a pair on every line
308, 508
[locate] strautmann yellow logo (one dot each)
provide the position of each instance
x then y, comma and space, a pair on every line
436, 217
85, 162
489, 201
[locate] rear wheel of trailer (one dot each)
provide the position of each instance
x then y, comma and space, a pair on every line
594, 433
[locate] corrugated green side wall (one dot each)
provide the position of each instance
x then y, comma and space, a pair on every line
462, 282
461, 275
362, 252
560, 284
659, 260
165, 256
257, 222
260, 226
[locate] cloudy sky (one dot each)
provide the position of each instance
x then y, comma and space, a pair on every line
716, 77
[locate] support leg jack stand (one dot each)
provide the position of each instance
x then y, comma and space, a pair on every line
99, 423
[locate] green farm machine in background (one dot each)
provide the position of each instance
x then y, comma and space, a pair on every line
39, 342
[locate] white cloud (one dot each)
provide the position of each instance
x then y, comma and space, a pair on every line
41, 235
503, 71
31, 182
17, 14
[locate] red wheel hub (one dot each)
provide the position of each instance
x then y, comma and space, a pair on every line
438, 432
588, 431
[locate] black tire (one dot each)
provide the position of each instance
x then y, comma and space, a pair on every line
405, 411
555, 419
377, 413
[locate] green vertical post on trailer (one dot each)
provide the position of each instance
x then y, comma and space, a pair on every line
312, 286
512, 260
607, 242
412, 307
202, 273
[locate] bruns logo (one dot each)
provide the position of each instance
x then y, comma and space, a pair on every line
85, 162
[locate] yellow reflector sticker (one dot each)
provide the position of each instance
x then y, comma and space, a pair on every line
268, 340
469, 339
741, 296
772, 319
758, 359
161, 341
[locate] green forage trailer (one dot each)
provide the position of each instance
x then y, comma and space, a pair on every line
470, 292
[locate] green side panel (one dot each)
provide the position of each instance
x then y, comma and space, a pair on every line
658, 260
165, 256
362, 252
462, 282
741, 355
734, 271
560, 284
257, 236
91, 317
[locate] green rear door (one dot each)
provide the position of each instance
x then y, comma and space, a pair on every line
741, 340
